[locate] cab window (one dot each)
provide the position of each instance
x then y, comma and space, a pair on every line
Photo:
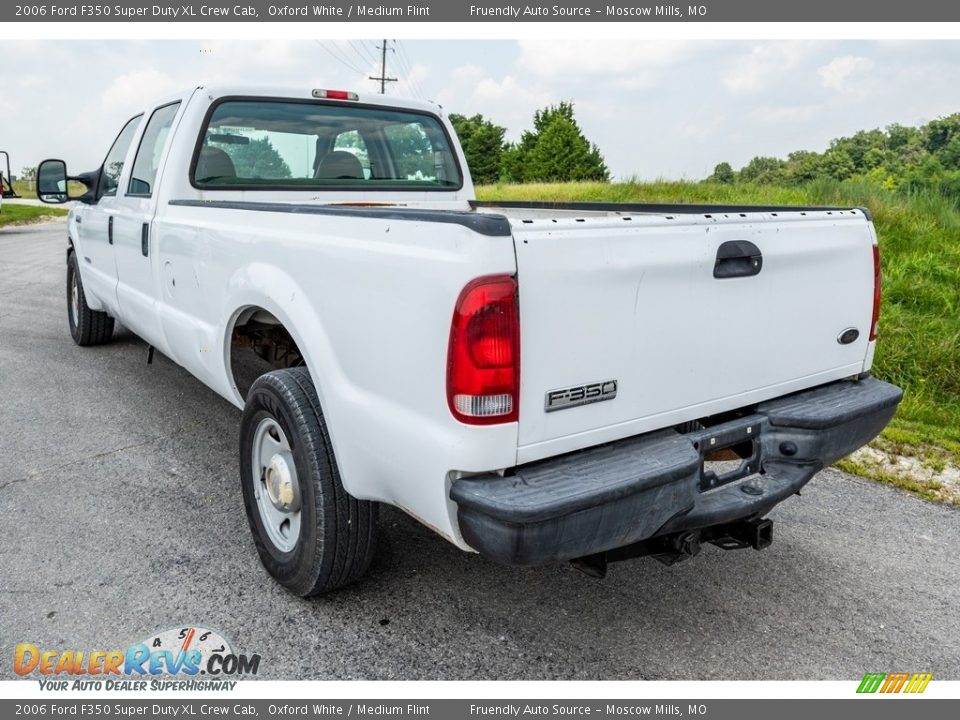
272, 144
113, 164
147, 161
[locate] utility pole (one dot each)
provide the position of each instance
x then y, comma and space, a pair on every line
383, 69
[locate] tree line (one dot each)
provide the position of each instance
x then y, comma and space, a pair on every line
554, 150
898, 157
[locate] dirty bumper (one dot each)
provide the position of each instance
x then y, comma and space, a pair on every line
650, 485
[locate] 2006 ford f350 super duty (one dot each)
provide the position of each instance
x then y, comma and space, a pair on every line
534, 382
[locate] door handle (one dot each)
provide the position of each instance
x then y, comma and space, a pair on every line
110, 229
737, 258
145, 239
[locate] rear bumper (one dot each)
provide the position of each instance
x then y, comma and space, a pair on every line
624, 492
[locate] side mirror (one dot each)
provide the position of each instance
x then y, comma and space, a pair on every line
52, 182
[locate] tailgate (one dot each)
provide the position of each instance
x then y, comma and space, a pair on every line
634, 300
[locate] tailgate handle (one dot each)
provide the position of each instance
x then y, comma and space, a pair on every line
738, 258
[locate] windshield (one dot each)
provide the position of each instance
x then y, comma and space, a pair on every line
271, 144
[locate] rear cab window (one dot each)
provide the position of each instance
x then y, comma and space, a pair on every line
269, 144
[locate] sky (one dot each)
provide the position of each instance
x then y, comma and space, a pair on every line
657, 109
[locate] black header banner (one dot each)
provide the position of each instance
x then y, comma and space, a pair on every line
589, 11
228, 708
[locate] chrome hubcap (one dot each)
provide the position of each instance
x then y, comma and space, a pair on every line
276, 486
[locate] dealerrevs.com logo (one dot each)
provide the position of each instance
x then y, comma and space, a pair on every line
185, 658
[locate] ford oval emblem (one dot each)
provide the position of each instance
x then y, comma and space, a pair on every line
848, 336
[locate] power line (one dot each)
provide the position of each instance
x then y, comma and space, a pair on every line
408, 78
339, 59
374, 48
364, 52
342, 53
405, 60
416, 81
405, 72
402, 50
369, 48
383, 79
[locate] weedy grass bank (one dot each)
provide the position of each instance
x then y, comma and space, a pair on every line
15, 214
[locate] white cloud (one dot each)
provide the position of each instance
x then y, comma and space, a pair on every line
489, 90
698, 130
274, 62
620, 60
126, 93
765, 63
509, 100
783, 114
411, 83
842, 74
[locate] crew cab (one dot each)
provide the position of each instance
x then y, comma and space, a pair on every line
535, 382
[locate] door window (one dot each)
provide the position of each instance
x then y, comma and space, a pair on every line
113, 164
147, 161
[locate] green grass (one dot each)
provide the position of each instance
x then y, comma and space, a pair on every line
11, 214
24, 190
29, 190
927, 489
919, 343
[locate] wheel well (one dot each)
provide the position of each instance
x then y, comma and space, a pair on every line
259, 343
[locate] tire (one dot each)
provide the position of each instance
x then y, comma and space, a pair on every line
289, 478
87, 327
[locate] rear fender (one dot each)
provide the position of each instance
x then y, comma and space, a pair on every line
268, 287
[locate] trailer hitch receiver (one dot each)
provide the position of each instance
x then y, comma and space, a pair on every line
754, 533
670, 549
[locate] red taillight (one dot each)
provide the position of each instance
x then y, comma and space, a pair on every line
876, 294
483, 359
335, 95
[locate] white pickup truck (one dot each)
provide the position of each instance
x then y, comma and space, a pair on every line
534, 382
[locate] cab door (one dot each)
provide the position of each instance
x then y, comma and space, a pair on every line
96, 255
132, 229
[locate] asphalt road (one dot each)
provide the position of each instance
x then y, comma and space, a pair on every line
120, 514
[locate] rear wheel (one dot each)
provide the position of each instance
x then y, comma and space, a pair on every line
311, 535
87, 327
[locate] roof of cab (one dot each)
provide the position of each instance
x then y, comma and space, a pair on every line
306, 93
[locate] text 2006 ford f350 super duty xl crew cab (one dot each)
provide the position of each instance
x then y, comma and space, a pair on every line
534, 382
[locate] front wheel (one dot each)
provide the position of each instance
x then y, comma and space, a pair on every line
87, 327
311, 535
